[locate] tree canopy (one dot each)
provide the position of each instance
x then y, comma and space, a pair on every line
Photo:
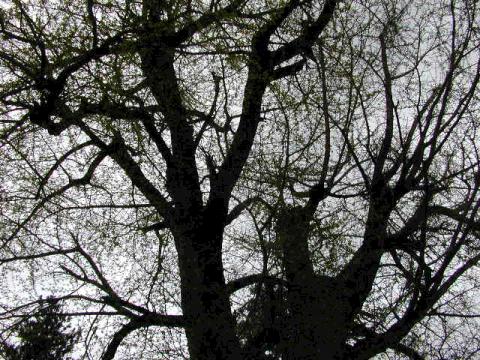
244, 179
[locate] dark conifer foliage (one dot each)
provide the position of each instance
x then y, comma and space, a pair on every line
44, 336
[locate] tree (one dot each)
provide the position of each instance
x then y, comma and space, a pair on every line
163, 156
45, 337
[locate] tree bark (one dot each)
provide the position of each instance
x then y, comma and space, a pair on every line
210, 326
317, 311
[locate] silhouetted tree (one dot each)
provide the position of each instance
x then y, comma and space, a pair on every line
44, 336
240, 178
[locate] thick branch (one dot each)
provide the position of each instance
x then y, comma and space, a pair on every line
137, 323
248, 280
204, 21
303, 43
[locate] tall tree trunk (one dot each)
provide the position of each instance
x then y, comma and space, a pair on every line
210, 325
317, 322
205, 301
322, 309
